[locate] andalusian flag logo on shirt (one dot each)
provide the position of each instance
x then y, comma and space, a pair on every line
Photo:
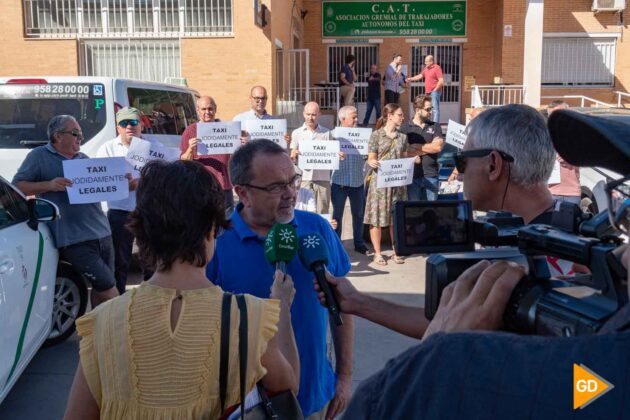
587, 386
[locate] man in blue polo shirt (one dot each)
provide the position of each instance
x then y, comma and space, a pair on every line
266, 183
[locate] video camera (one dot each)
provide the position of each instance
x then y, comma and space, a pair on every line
541, 303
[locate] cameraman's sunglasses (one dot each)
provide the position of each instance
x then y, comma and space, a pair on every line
125, 123
618, 194
460, 157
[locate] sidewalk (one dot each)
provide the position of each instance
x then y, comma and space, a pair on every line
401, 283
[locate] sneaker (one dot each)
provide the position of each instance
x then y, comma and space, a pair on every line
363, 250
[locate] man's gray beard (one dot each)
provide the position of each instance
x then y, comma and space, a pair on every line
286, 220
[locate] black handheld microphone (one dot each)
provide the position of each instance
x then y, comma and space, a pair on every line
314, 256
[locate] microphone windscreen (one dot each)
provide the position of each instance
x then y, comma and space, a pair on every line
312, 249
281, 243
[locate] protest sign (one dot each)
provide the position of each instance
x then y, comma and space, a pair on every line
142, 151
319, 154
96, 180
270, 129
555, 174
353, 140
394, 173
218, 138
456, 134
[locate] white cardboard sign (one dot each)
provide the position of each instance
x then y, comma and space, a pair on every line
142, 152
95, 180
353, 140
555, 174
319, 154
218, 138
395, 173
456, 134
271, 129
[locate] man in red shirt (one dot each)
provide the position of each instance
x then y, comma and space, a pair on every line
217, 165
433, 82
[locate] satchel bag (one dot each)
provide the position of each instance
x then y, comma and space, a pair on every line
368, 171
283, 406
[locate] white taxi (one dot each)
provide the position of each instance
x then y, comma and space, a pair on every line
40, 297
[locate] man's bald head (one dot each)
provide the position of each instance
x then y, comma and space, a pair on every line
258, 99
311, 115
206, 108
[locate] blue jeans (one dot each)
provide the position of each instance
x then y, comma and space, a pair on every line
425, 188
372, 103
338, 195
435, 103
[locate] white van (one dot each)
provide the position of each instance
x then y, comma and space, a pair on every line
28, 103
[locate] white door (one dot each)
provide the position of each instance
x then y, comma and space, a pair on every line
293, 85
449, 58
366, 55
19, 251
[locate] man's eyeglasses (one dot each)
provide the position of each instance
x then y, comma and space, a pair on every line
73, 133
125, 123
460, 157
279, 187
429, 109
618, 194
259, 98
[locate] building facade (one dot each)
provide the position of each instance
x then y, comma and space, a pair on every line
528, 51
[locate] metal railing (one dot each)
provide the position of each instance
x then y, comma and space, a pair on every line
326, 97
497, 95
621, 95
581, 99
127, 18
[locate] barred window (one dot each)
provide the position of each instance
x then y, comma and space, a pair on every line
578, 61
127, 18
150, 60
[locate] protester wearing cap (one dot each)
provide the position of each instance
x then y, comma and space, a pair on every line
128, 125
82, 233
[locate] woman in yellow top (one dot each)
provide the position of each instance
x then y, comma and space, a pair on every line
153, 353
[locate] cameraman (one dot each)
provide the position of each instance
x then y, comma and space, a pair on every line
501, 375
506, 162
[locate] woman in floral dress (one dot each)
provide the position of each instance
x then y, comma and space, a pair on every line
386, 143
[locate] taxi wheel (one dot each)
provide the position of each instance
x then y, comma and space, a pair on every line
69, 304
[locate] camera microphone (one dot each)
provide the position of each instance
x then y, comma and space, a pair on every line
314, 256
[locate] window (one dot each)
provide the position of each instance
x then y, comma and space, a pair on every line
127, 18
25, 110
168, 112
576, 61
150, 60
13, 207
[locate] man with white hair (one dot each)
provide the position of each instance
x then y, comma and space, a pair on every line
347, 183
316, 180
82, 233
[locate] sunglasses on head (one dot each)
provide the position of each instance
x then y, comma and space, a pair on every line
125, 123
460, 157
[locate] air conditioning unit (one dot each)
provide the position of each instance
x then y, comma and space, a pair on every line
608, 5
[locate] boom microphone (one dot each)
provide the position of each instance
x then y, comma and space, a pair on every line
281, 246
314, 257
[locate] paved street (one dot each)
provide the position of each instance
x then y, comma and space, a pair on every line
42, 390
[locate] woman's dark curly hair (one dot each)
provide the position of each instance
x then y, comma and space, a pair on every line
178, 204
